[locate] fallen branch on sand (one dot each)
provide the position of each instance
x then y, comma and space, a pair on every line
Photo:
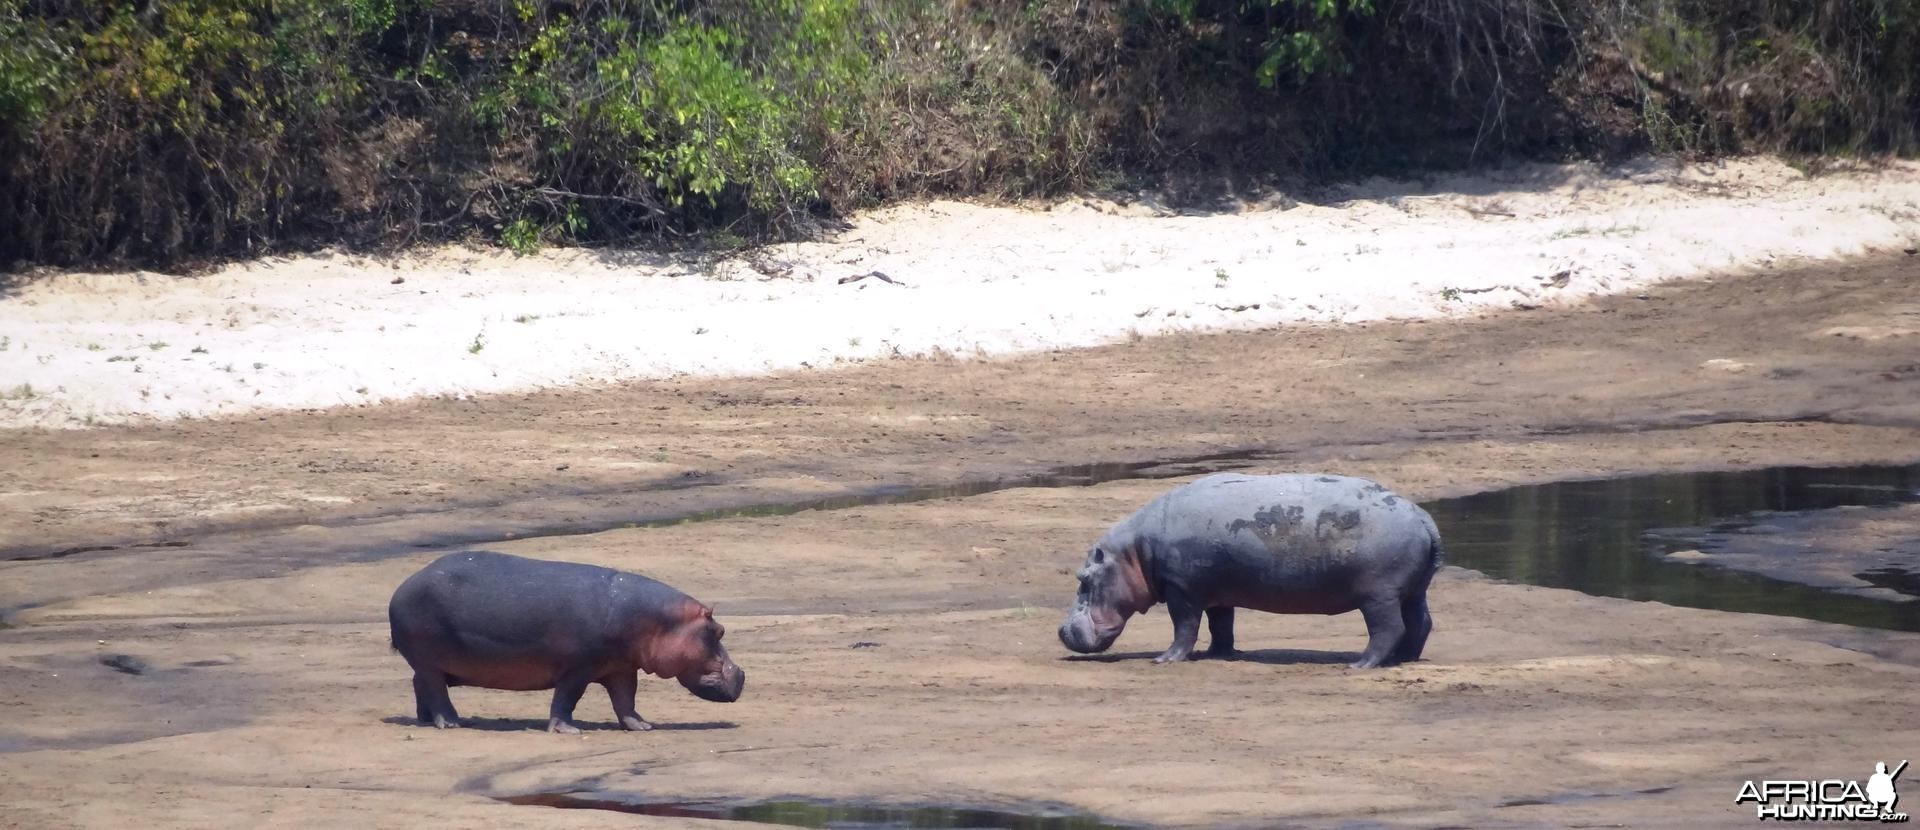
882, 277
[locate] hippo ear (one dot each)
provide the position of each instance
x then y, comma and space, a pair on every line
707, 613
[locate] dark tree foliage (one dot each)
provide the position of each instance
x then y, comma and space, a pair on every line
167, 133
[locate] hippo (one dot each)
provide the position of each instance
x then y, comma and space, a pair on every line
478, 618
1285, 544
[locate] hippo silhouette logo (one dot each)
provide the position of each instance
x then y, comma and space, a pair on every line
1827, 800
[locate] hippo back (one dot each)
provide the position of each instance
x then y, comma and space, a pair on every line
494, 601
1323, 517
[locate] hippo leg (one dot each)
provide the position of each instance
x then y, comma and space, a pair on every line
566, 695
1186, 630
1220, 632
421, 709
431, 702
621, 686
1385, 629
1419, 623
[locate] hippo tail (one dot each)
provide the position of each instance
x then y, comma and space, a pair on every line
1436, 552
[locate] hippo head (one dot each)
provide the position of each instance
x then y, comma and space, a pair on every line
691, 653
1113, 587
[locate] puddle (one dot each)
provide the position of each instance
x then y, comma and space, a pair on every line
1611, 537
803, 812
1895, 579
1872, 551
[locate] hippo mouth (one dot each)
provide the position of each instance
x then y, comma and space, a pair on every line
723, 686
1082, 635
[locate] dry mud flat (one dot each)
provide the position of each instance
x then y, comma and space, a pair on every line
275, 701
265, 694
1835, 343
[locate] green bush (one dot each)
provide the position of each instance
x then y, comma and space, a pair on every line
1794, 75
645, 113
159, 132
31, 68
170, 133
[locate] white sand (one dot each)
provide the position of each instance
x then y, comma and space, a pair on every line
324, 331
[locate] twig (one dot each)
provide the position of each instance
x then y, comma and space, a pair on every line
599, 197
882, 277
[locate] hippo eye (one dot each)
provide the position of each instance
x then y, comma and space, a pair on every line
1099, 556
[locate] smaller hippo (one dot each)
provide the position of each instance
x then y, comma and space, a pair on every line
478, 618
1285, 544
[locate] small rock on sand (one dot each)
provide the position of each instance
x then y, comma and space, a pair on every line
125, 664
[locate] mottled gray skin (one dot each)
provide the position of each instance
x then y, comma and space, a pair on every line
1285, 544
478, 618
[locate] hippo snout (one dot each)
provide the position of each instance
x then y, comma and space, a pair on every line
723, 686
1069, 639
1079, 635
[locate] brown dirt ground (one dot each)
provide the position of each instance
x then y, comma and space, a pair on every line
271, 698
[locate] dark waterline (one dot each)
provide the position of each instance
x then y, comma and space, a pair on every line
1589, 536
1075, 475
1078, 475
1594, 537
793, 812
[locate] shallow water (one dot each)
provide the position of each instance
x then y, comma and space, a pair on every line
1607, 537
794, 812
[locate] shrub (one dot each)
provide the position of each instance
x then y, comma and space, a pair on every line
166, 133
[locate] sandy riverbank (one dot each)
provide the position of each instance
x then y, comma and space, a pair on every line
968, 280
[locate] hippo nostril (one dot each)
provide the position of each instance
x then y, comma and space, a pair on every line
1071, 638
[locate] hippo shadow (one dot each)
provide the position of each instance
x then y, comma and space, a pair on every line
1269, 656
540, 725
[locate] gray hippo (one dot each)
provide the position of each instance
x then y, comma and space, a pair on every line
1285, 544
478, 618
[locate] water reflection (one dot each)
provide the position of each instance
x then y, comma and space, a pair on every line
1592, 536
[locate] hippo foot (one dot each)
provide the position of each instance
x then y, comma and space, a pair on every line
1369, 663
1173, 657
633, 723
560, 727
445, 723
1222, 653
